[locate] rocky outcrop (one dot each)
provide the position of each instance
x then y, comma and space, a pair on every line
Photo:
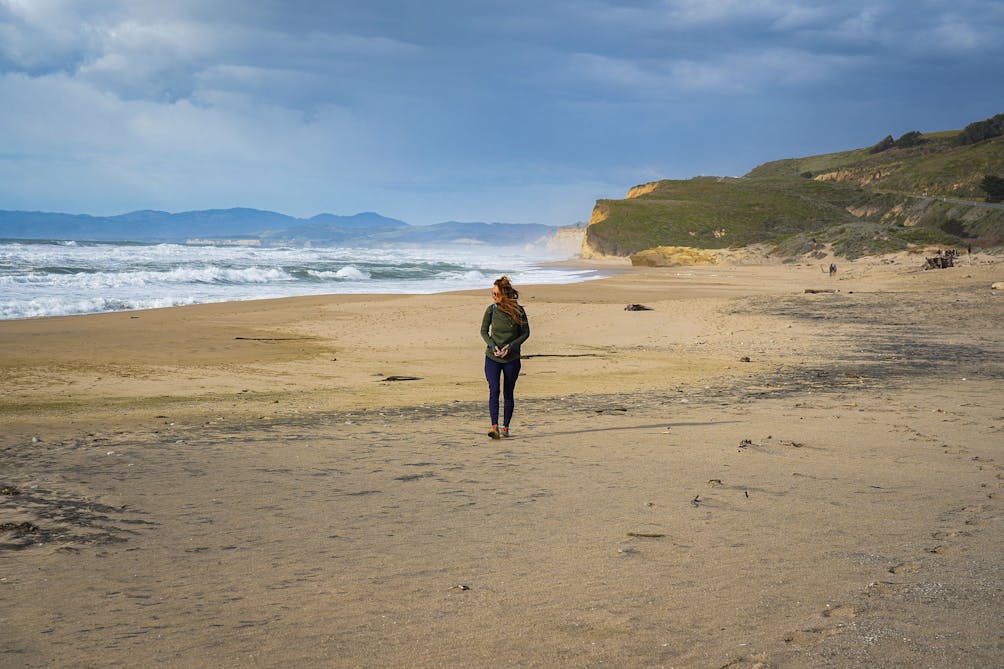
863, 176
672, 256
682, 256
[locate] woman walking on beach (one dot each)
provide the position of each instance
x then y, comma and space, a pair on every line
504, 329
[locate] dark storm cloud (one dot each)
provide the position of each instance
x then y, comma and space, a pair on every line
320, 104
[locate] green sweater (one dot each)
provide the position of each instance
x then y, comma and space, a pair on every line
497, 329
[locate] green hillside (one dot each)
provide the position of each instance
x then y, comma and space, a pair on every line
871, 200
939, 167
714, 213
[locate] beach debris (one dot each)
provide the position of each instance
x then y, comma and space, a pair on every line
9, 490
745, 358
460, 586
813, 291
627, 550
396, 377
745, 443
747, 493
942, 260
997, 285
35, 440
646, 535
696, 501
714, 483
637, 307
19, 528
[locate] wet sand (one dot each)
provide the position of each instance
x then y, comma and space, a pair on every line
745, 476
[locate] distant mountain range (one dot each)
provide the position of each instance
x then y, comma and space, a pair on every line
264, 227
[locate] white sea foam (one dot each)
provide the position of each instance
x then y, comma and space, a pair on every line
348, 273
50, 279
141, 278
67, 306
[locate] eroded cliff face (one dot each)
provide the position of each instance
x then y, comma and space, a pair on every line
864, 177
600, 213
643, 189
682, 256
871, 177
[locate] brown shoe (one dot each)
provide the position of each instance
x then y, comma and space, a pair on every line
494, 432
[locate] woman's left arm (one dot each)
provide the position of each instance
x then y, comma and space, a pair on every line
524, 331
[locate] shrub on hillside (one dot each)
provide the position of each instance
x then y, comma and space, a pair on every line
994, 187
884, 144
982, 130
912, 138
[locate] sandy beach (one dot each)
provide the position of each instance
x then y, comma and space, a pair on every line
746, 475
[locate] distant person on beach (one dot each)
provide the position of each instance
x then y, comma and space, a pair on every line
504, 328
833, 269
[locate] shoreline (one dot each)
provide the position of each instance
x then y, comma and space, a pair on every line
748, 475
209, 353
75, 285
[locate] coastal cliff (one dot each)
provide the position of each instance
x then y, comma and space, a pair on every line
918, 190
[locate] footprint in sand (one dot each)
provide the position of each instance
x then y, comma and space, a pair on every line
840, 611
946, 550
885, 588
809, 637
977, 522
759, 661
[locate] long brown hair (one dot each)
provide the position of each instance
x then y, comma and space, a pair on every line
507, 304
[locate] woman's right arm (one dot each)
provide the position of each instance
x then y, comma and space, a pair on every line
486, 323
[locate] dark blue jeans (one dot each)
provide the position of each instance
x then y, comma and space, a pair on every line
508, 372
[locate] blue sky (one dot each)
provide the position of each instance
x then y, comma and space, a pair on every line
514, 111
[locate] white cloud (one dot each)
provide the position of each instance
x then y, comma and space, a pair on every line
168, 52
85, 140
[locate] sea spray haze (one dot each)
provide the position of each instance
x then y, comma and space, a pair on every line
51, 278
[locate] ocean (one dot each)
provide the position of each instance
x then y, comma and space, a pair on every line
57, 278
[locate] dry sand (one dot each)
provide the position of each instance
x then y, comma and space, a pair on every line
235, 485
